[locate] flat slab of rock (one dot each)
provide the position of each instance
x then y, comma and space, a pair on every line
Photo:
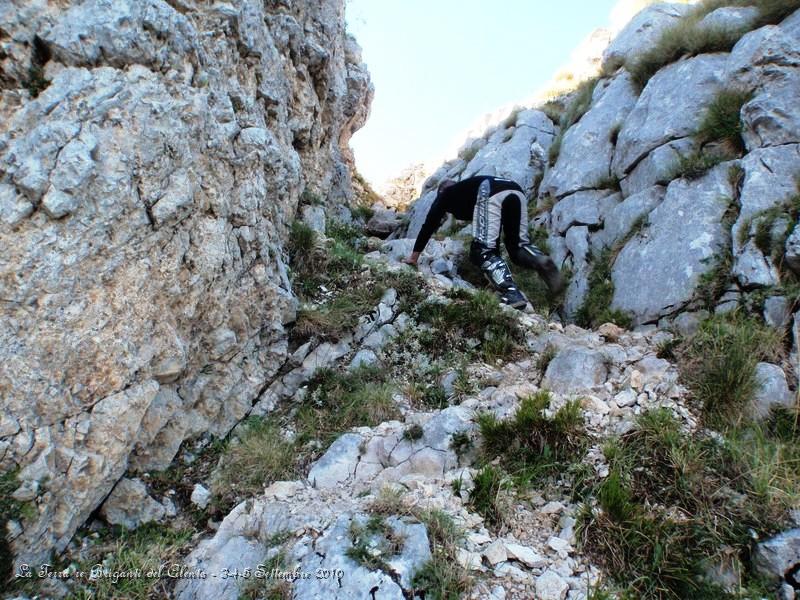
657, 271
575, 371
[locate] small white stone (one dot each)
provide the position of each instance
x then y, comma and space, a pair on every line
626, 397
59, 204
552, 508
636, 380
496, 553
551, 586
507, 570
561, 546
478, 539
525, 555
200, 495
468, 560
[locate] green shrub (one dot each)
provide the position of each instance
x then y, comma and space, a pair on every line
695, 165
718, 363
441, 578
485, 498
531, 446
413, 432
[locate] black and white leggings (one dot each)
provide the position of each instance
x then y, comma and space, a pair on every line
506, 211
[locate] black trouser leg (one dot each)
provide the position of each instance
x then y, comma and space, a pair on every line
522, 252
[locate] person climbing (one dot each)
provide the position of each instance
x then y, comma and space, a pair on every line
493, 205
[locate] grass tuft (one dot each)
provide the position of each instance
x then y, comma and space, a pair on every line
486, 495
261, 454
477, 315
674, 502
578, 106
531, 446
722, 121
719, 361
686, 38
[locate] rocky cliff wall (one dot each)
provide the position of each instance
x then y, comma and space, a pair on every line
152, 154
625, 167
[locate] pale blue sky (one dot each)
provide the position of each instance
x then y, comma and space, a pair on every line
439, 65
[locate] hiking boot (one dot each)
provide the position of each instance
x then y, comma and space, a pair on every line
531, 256
497, 272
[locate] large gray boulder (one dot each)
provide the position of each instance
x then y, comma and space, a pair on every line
642, 32
763, 54
772, 117
587, 147
729, 18
657, 271
658, 167
777, 556
670, 107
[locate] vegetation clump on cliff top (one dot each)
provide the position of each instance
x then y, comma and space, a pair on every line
687, 38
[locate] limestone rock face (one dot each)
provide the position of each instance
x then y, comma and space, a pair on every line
671, 106
643, 31
588, 147
657, 271
145, 195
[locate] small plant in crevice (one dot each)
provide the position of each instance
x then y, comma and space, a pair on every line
10, 510
580, 102
373, 543
695, 165
773, 227
545, 357
414, 432
722, 120
596, 306
461, 443
442, 577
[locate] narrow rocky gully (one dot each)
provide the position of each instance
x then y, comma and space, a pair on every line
220, 380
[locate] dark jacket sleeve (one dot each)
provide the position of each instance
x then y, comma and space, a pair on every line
432, 222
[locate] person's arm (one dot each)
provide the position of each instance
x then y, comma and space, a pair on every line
429, 227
